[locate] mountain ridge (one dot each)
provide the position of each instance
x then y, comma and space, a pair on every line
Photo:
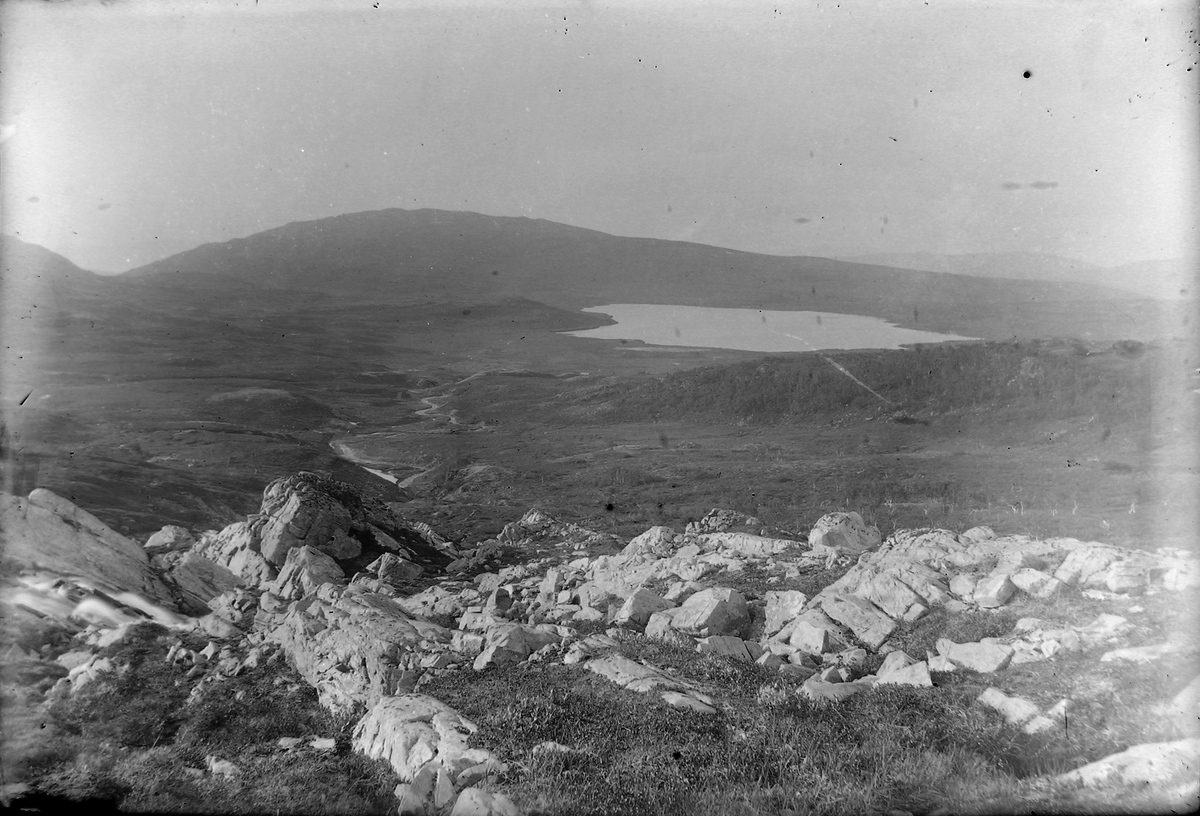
1163, 279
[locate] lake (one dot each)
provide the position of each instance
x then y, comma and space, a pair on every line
752, 329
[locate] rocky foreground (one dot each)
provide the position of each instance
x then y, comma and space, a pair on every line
369, 607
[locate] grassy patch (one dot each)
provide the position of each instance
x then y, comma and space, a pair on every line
630, 753
131, 737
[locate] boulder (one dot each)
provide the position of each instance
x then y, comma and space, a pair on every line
510, 643
639, 606
980, 533
681, 699
437, 600
868, 623
1147, 654
1087, 565
746, 544
1184, 708
237, 606
661, 625
1152, 765
1127, 576
48, 532
299, 514
395, 570
199, 580
305, 569
963, 586
846, 533
353, 646
893, 662
716, 611
719, 520
236, 548
783, 606
979, 657
657, 542
914, 674
819, 691
640, 677
171, 538
1015, 710
1036, 583
887, 592
993, 591
813, 632
411, 731
477, 802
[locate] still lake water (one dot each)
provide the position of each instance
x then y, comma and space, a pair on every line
752, 329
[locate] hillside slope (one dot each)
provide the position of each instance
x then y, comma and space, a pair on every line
411, 257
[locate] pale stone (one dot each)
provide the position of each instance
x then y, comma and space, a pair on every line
1126, 577
769, 660
889, 593
823, 692
199, 580
844, 532
979, 657
681, 700
639, 606
914, 674
305, 569
1084, 563
993, 591
236, 548
1015, 710
783, 606
1036, 583
477, 802
412, 730
746, 544
796, 673
395, 570
893, 662
587, 614
661, 624
940, 663
963, 586
815, 632
869, 624
717, 611
980, 533
511, 643
1104, 628
1150, 764
632, 675
49, 532
1146, 654
170, 538
354, 647
658, 541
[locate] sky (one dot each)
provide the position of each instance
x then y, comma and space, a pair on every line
136, 130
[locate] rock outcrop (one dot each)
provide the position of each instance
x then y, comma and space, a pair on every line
47, 532
327, 580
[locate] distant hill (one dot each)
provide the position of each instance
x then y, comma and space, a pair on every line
1170, 279
410, 257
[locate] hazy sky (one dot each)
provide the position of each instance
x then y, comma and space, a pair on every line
135, 130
